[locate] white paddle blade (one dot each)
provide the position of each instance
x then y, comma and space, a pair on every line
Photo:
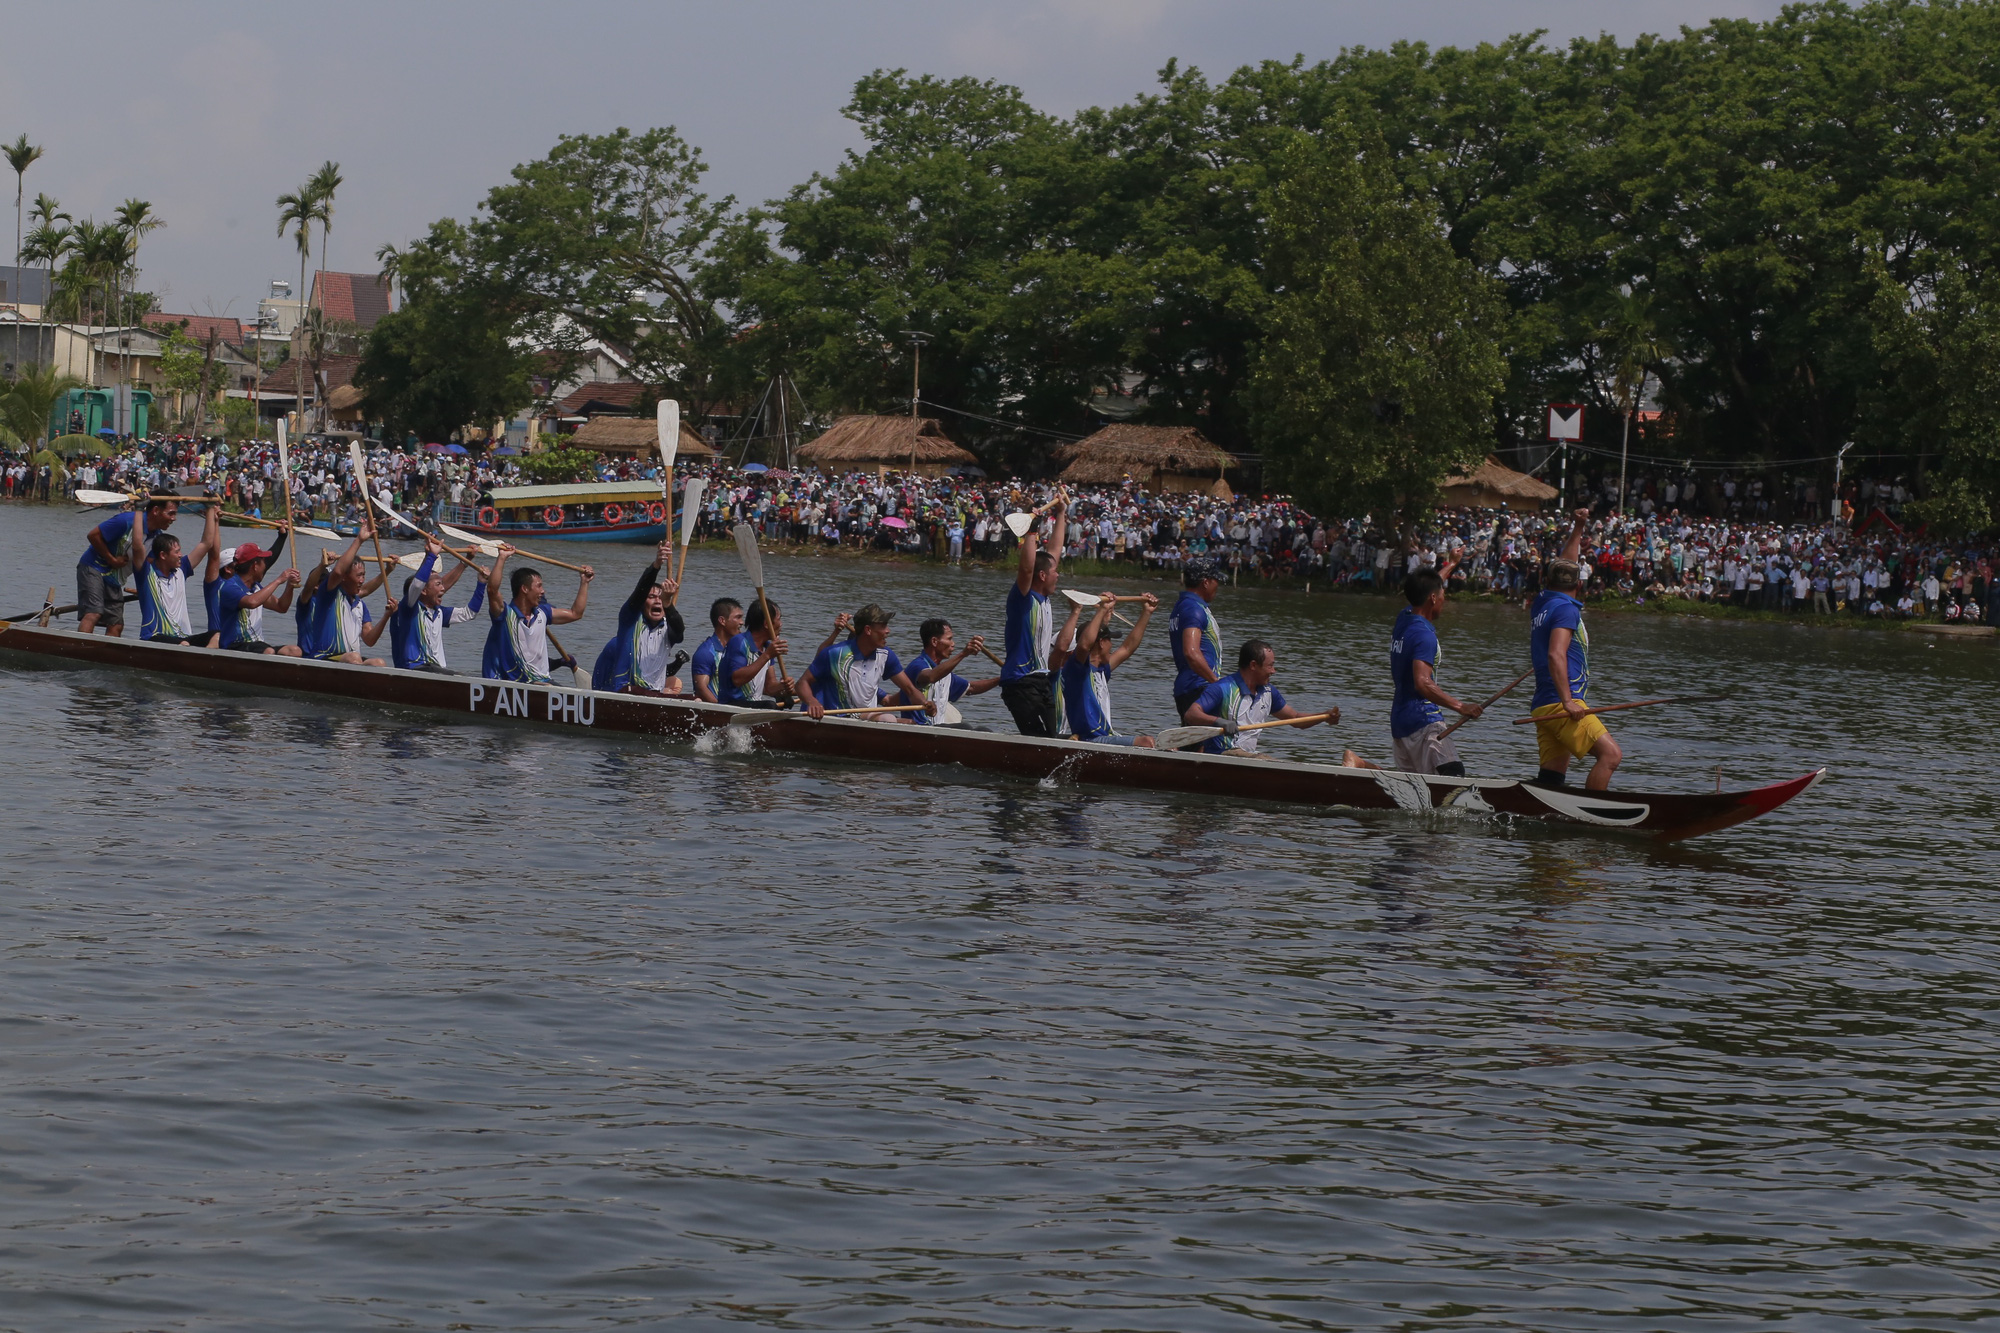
1018, 524
103, 497
746, 550
284, 454
393, 516
691, 508
411, 560
947, 714
1080, 598
327, 535
670, 438
460, 535
1176, 738
359, 462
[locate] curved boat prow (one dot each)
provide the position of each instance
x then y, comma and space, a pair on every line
1736, 807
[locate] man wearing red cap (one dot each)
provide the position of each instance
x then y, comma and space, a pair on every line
244, 599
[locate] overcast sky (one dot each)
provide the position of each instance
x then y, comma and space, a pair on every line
210, 110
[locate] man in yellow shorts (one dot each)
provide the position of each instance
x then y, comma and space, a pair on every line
1559, 645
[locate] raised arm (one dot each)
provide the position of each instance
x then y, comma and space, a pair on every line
1117, 656
496, 605
576, 608
1065, 638
1573, 548
211, 525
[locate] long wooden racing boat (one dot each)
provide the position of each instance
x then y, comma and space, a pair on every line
1666, 817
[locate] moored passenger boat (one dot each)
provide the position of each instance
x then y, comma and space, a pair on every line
596, 511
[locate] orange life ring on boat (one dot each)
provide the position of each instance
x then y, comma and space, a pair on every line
489, 517
614, 514
657, 512
553, 516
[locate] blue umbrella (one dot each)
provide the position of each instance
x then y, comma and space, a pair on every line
456, 449
755, 467
107, 432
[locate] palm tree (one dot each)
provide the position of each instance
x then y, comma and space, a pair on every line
27, 404
135, 219
323, 183
20, 155
47, 214
299, 210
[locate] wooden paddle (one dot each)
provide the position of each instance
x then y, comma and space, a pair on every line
575, 667
668, 413
753, 566
48, 609
690, 515
491, 549
1176, 738
285, 481
1087, 600
1619, 708
359, 462
1018, 523
946, 713
1489, 703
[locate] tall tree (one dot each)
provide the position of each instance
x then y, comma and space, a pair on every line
299, 210
1380, 356
20, 155
322, 186
49, 222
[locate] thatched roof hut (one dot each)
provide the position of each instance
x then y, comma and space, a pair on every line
1494, 485
634, 436
901, 444
1163, 459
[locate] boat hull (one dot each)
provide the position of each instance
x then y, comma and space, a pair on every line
1667, 817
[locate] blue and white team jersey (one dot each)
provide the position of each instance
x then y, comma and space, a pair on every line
1552, 611
517, 646
163, 607
348, 617
708, 662
211, 600
240, 623
843, 678
117, 534
740, 653
315, 615
1413, 640
1086, 698
416, 631
1191, 611
1230, 697
948, 688
1031, 628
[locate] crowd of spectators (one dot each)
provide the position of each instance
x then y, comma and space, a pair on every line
1719, 541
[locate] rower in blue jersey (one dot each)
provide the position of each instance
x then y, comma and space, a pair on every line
1417, 724
725, 621
1559, 648
743, 676
517, 644
640, 657
1244, 698
850, 674
1027, 686
100, 574
336, 623
1193, 635
162, 583
416, 629
1089, 656
243, 599
221, 564
934, 671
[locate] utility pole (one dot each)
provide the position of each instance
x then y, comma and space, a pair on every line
1839, 462
917, 341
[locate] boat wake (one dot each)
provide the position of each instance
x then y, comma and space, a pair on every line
725, 740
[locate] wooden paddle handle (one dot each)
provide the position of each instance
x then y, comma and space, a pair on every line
772, 630
987, 653
1286, 721
1496, 698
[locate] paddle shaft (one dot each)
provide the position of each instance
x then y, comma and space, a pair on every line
771, 628
41, 617
285, 484
1490, 702
575, 674
1202, 731
1619, 708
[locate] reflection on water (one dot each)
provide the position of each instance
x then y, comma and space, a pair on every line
356, 1019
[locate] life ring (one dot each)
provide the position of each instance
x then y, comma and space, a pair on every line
614, 514
656, 512
553, 516
489, 517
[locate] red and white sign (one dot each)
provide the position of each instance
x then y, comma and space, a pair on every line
1565, 422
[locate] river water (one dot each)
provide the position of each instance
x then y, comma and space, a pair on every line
325, 1016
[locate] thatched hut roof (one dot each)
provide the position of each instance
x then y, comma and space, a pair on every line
1124, 452
634, 435
884, 440
1494, 485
